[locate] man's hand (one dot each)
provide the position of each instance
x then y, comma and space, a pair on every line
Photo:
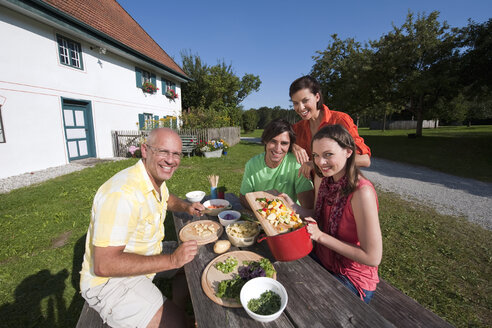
300, 153
195, 209
185, 253
306, 169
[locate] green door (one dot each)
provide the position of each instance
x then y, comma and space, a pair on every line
79, 131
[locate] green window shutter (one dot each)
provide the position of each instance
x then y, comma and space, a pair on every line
164, 86
138, 77
156, 119
141, 121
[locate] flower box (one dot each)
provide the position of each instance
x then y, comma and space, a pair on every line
212, 154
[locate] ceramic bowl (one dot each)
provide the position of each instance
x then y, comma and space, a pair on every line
254, 288
247, 240
216, 206
228, 217
195, 196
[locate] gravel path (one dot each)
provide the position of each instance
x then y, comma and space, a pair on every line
448, 194
30, 178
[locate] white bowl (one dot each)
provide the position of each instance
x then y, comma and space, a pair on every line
195, 196
254, 288
224, 205
242, 241
235, 215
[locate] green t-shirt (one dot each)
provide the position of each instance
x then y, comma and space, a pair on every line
259, 177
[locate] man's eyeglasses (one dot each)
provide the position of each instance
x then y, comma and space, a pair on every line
162, 153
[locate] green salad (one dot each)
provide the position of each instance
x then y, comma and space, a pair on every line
231, 288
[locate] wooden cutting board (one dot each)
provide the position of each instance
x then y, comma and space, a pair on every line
189, 232
211, 277
269, 229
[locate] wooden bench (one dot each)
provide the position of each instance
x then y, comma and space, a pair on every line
89, 318
189, 144
402, 310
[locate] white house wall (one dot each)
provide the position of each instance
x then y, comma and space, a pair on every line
33, 82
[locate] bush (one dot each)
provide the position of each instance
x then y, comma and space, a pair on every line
201, 118
250, 120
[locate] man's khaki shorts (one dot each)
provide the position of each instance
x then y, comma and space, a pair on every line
125, 302
129, 301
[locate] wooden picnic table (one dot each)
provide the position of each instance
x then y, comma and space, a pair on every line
316, 298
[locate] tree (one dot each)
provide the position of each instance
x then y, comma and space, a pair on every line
476, 69
422, 50
216, 86
192, 92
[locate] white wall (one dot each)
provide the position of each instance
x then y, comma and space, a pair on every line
32, 82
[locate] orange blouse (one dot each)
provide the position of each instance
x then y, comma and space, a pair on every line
330, 117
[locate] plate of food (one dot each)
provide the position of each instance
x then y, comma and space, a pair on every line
225, 275
273, 213
203, 231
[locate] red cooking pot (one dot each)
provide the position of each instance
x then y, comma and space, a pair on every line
289, 246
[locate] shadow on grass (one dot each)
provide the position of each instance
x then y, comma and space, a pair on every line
46, 289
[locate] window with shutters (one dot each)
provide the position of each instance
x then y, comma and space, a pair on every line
69, 52
167, 85
144, 77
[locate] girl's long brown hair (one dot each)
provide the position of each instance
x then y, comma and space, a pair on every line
344, 139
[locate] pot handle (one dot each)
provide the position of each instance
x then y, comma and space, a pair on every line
261, 238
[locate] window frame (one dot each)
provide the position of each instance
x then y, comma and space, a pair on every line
66, 49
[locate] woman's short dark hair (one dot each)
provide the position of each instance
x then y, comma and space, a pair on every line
340, 134
307, 82
276, 127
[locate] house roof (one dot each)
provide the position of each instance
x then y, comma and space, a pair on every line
109, 18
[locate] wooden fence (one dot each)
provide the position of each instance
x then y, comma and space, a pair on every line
403, 125
122, 140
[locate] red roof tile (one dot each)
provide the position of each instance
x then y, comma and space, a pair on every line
108, 17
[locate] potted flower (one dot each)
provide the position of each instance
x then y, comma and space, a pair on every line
171, 94
134, 151
149, 87
212, 148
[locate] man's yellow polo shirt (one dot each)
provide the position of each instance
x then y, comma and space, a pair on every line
126, 211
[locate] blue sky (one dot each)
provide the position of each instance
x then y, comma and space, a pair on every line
277, 39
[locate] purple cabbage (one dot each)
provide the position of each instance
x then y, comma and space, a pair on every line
251, 271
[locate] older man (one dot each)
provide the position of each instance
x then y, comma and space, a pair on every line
276, 170
124, 242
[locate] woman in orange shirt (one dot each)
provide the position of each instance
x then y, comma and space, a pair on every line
305, 93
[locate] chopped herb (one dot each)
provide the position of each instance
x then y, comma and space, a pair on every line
268, 303
227, 266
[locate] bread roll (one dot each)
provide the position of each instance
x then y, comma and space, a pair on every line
222, 246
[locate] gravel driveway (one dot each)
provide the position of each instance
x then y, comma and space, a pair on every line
446, 193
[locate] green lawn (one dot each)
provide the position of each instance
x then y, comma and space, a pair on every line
441, 261
461, 151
